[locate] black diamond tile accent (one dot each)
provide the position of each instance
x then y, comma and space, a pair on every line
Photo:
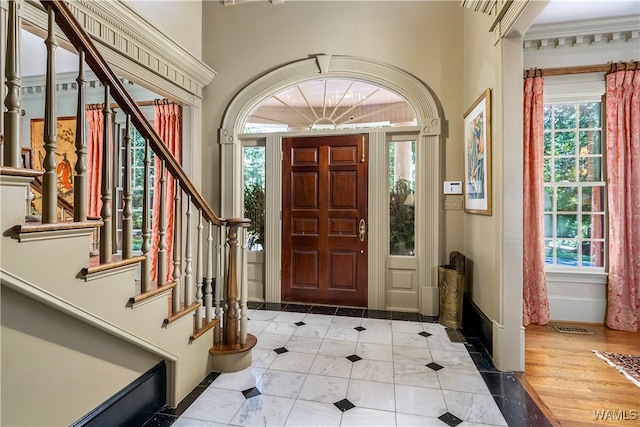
360, 328
434, 366
344, 405
280, 350
354, 358
251, 392
300, 323
449, 419
424, 334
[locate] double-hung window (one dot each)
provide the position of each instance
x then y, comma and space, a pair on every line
574, 184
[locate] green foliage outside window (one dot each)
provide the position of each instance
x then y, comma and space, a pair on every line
402, 219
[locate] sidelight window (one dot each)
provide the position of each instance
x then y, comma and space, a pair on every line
402, 167
254, 194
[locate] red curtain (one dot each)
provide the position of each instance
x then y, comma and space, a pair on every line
534, 285
95, 120
623, 189
168, 124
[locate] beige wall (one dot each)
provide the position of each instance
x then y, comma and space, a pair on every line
481, 232
244, 41
180, 20
55, 369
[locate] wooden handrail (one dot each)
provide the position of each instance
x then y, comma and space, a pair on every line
81, 41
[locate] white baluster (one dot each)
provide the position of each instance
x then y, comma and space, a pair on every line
176, 242
208, 300
188, 260
244, 290
199, 268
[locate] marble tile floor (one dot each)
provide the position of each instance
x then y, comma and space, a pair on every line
329, 366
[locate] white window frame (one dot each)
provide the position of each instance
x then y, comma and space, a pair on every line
580, 89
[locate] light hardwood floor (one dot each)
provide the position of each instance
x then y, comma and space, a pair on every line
573, 383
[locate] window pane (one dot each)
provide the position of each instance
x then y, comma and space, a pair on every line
590, 169
548, 225
548, 162
590, 142
593, 226
564, 143
567, 226
564, 116
254, 195
567, 252
593, 254
548, 199
547, 143
548, 252
592, 199
401, 197
590, 115
547, 117
565, 169
567, 199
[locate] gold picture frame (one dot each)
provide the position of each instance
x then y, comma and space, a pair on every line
65, 152
477, 156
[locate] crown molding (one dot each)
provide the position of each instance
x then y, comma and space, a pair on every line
583, 28
135, 46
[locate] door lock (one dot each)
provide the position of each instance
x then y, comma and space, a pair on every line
363, 229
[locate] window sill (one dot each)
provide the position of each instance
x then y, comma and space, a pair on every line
596, 276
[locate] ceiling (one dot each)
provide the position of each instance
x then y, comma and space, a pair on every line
577, 10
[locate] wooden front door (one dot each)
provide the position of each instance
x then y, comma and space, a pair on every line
324, 220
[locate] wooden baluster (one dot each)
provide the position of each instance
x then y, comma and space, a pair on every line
220, 266
116, 176
199, 268
145, 273
162, 244
231, 313
176, 244
208, 300
50, 178
127, 208
4, 31
80, 180
188, 259
243, 288
106, 243
11, 152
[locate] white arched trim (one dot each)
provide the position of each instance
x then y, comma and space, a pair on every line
416, 284
414, 91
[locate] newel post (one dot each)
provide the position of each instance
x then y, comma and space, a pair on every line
231, 336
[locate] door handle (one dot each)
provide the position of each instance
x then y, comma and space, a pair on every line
363, 229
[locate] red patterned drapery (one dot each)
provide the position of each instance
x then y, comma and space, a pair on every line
95, 119
534, 286
623, 190
168, 124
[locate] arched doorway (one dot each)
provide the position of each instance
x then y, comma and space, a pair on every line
396, 282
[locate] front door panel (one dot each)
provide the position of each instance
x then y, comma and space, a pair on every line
324, 217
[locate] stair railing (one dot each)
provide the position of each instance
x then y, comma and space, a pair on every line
225, 305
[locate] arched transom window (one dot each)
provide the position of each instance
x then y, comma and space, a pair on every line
330, 104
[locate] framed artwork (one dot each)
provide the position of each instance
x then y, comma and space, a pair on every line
65, 152
477, 156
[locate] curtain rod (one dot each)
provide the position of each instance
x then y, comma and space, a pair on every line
139, 104
582, 69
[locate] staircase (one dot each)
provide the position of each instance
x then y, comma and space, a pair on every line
78, 328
